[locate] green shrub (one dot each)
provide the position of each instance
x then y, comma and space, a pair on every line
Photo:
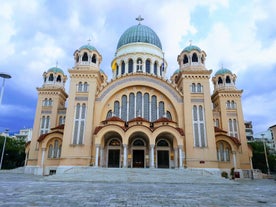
224, 174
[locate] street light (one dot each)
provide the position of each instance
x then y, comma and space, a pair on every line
267, 165
4, 76
3, 149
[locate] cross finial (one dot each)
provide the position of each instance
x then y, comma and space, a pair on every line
139, 19
89, 40
56, 64
221, 65
190, 41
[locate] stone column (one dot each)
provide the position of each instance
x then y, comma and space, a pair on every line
175, 158
125, 156
101, 156
97, 156
152, 156
234, 160
41, 171
180, 156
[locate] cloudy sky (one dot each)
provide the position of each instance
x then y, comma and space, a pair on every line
35, 34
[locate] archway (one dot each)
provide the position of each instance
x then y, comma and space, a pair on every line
163, 154
138, 153
114, 152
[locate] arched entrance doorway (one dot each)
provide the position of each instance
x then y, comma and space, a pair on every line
138, 153
163, 154
114, 152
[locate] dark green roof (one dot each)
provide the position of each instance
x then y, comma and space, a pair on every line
56, 70
89, 47
139, 33
223, 71
190, 48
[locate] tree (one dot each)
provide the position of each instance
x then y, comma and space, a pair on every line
14, 154
259, 157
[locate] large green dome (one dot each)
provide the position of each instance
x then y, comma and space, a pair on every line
139, 33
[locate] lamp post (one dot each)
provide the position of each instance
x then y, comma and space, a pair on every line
3, 149
4, 76
267, 165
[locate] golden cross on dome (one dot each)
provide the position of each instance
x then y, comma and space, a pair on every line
139, 19
190, 41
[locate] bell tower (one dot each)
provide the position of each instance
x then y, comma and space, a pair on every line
51, 100
193, 81
86, 79
227, 107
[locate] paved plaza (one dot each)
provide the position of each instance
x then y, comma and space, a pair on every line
28, 190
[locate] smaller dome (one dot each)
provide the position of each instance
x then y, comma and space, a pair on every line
89, 47
176, 71
190, 48
55, 70
223, 71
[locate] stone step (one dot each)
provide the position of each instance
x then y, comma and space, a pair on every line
135, 175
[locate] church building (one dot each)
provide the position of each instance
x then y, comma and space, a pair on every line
138, 118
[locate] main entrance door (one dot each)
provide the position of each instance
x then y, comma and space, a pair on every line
163, 159
138, 158
113, 158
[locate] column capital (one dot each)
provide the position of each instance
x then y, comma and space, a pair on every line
125, 145
180, 146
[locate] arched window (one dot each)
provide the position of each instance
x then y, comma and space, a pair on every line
51, 77
153, 108
80, 87
193, 87
85, 57
233, 104
85, 87
185, 59
161, 109
94, 59
123, 68
109, 114
148, 66
116, 108
228, 80
138, 142
50, 151
117, 70
146, 106
162, 143
228, 105
139, 63
114, 142
202, 59
138, 104
223, 152
194, 57
124, 108
233, 128
155, 68
59, 78
77, 58
199, 88
169, 116
131, 106
130, 66
56, 149
220, 80
80, 114
199, 126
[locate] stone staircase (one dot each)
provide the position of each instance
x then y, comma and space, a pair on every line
136, 175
